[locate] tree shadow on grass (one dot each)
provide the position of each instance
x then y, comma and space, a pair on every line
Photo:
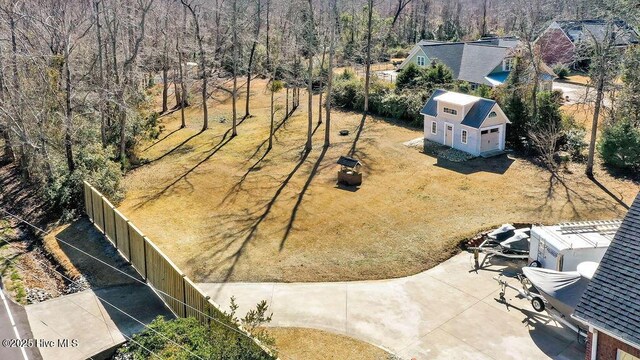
249, 230
296, 207
224, 141
161, 139
352, 150
618, 199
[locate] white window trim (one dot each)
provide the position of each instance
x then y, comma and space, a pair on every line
492, 113
464, 136
450, 112
436, 127
424, 60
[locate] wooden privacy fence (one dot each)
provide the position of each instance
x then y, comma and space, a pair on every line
177, 291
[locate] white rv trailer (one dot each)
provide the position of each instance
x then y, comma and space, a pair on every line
562, 247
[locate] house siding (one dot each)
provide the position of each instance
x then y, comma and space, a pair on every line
473, 135
608, 347
555, 47
414, 58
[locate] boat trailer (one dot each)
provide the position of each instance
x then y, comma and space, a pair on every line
489, 248
538, 303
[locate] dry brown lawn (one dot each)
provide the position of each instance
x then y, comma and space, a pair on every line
224, 209
309, 344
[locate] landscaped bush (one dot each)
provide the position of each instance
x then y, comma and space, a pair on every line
93, 164
620, 145
383, 100
561, 71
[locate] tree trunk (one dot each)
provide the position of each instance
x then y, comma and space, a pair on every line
367, 74
272, 113
165, 64
594, 125
235, 68
183, 87
324, 52
332, 47
68, 111
251, 56
101, 108
286, 111
308, 146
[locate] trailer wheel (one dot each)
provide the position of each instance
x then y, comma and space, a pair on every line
535, 264
538, 304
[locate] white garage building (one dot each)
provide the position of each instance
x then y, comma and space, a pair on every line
468, 123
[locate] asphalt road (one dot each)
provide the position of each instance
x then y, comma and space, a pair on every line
14, 325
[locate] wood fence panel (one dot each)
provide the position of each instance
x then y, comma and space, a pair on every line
122, 234
98, 219
137, 250
88, 204
165, 277
198, 304
109, 221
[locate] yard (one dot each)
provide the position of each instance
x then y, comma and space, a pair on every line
225, 210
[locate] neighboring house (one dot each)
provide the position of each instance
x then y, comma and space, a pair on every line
469, 123
482, 62
559, 43
611, 304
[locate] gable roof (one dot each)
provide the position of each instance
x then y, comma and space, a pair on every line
478, 113
474, 117
479, 61
576, 30
431, 107
612, 299
469, 61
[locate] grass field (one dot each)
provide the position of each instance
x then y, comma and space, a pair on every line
225, 210
310, 344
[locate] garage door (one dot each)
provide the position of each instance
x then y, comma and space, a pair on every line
489, 139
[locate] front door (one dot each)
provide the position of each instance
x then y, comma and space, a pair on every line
448, 135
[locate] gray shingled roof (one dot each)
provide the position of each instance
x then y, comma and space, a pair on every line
474, 118
449, 54
431, 107
578, 29
471, 61
479, 61
478, 112
612, 300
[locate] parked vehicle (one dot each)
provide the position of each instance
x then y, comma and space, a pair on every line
562, 247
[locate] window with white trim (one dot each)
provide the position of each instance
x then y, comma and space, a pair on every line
450, 111
507, 64
492, 114
463, 136
421, 61
434, 127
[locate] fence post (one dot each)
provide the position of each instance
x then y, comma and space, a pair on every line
144, 256
129, 242
92, 217
184, 294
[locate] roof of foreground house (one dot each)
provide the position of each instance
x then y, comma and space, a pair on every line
475, 116
612, 299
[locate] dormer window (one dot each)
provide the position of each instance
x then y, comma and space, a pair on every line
492, 114
450, 111
508, 64
421, 61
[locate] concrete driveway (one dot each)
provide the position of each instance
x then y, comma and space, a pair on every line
87, 324
443, 313
579, 94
